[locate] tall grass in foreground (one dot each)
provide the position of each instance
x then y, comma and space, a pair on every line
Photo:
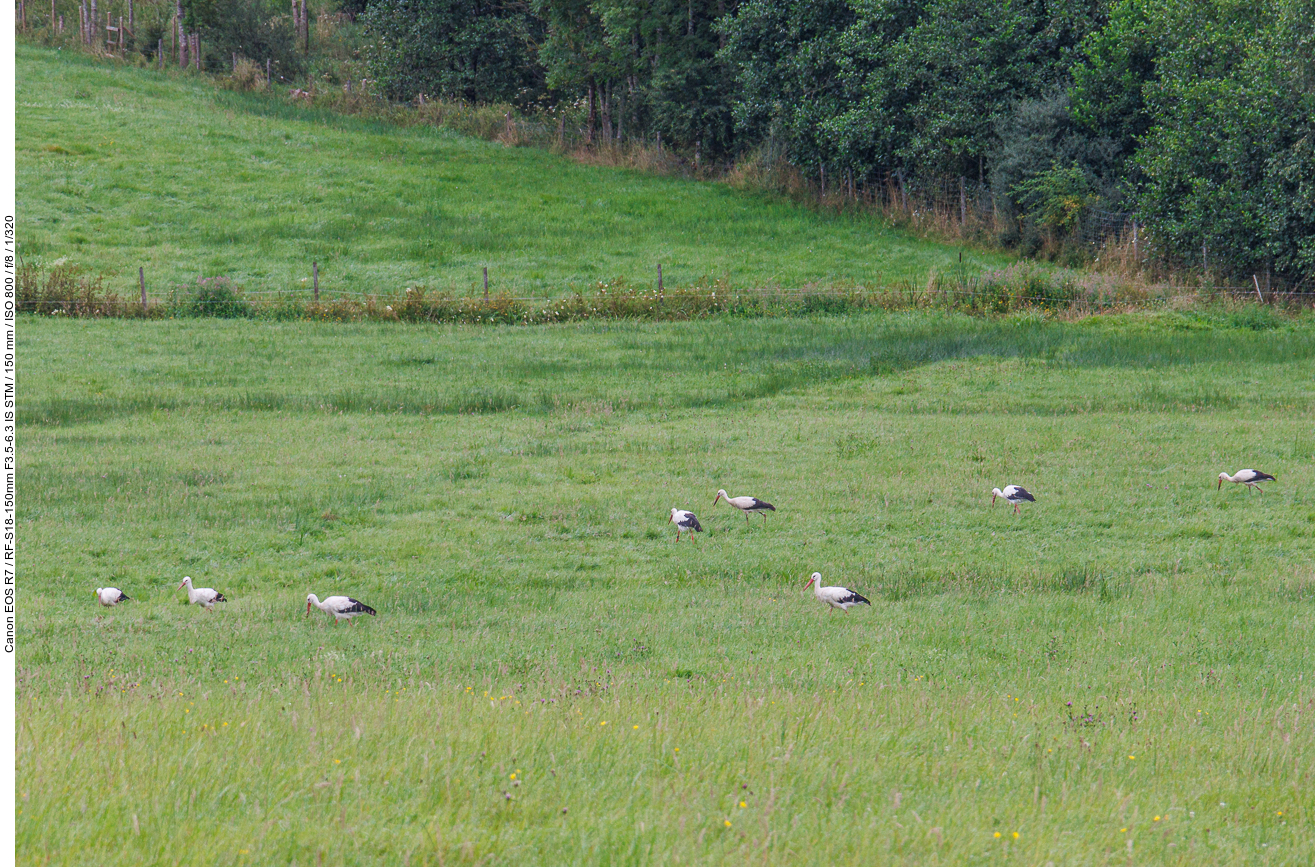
637, 765
1122, 667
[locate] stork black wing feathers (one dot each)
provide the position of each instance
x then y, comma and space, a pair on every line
359, 606
855, 599
761, 505
219, 597
1020, 494
1263, 477
693, 524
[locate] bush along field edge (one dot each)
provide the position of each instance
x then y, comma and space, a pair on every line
73, 291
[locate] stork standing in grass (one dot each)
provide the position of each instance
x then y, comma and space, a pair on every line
206, 597
1013, 494
111, 596
341, 607
746, 505
686, 521
836, 597
1245, 477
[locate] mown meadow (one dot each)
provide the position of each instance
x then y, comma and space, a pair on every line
122, 168
1116, 676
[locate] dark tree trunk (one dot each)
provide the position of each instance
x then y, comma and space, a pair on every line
593, 112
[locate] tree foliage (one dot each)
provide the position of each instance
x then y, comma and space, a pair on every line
258, 30
470, 50
1213, 104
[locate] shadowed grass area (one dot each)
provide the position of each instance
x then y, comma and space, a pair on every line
647, 366
552, 679
123, 168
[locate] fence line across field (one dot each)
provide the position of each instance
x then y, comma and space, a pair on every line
958, 291
966, 287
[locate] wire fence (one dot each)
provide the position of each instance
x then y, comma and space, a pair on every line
65, 292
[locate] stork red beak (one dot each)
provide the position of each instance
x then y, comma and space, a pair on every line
716, 499
993, 499
1220, 485
809, 584
308, 606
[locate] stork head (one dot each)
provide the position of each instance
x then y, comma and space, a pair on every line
815, 579
1223, 477
996, 492
187, 579
312, 599
721, 495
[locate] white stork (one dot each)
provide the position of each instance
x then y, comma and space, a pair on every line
341, 607
1013, 494
685, 521
203, 596
1245, 477
111, 596
746, 504
837, 597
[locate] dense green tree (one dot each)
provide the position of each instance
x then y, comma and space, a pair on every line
1044, 161
791, 75
647, 67
914, 85
472, 50
1209, 106
258, 30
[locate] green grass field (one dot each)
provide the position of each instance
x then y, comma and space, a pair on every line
123, 168
1117, 676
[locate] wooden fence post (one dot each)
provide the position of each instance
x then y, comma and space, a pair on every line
141, 278
963, 203
486, 282
315, 272
659, 278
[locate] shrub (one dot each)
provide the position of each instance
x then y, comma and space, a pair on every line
247, 76
65, 290
216, 297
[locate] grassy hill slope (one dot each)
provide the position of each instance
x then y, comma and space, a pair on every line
121, 168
